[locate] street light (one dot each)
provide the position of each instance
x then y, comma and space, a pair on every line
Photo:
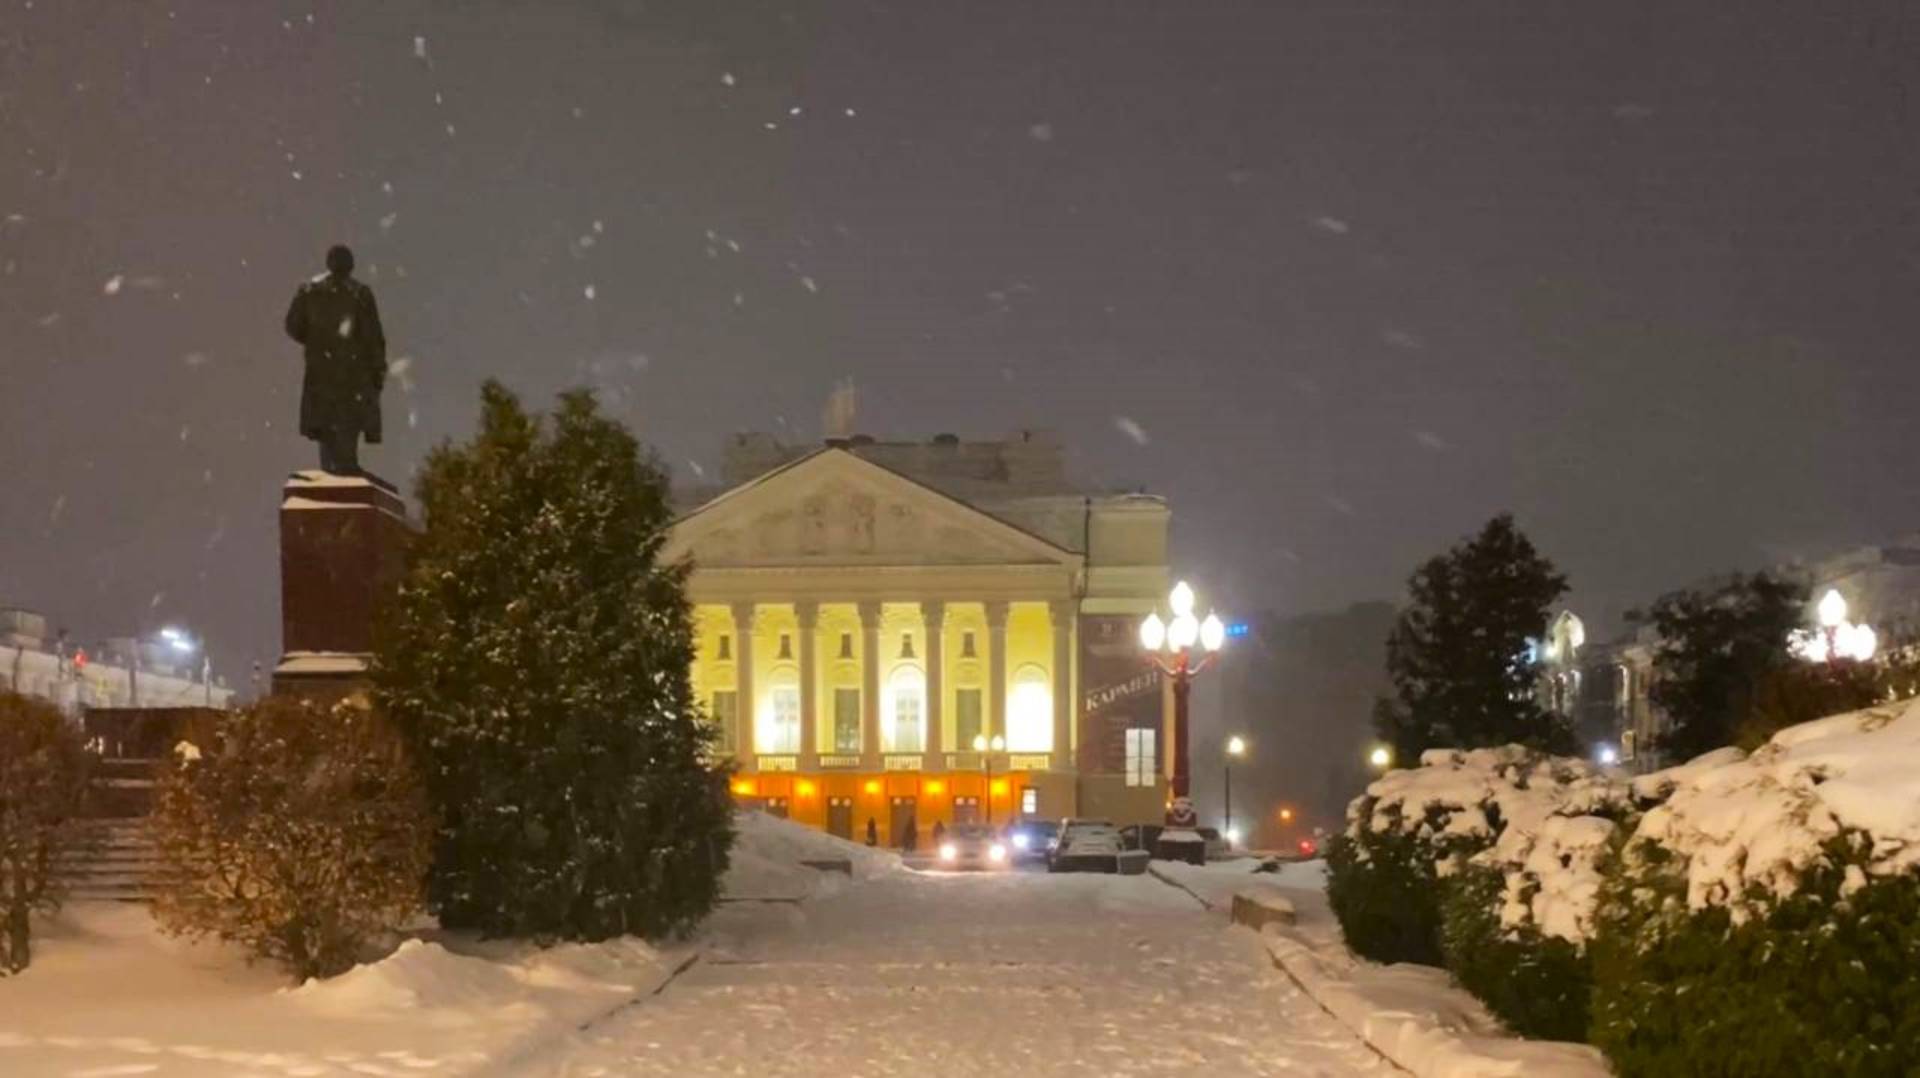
185, 645
1837, 638
1181, 647
980, 745
1236, 748
1381, 757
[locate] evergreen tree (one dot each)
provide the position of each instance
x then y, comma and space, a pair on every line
1458, 653
537, 657
1718, 650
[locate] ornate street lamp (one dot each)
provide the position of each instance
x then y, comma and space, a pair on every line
1837, 638
981, 745
1181, 648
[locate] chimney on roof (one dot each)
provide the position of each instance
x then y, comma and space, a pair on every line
836, 420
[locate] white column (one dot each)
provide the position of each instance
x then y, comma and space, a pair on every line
996, 718
935, 615
1063, 616
808, 615
743, 685
870, 686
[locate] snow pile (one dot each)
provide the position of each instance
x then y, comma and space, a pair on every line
1543, 822
1756, 824
1415, 1015
770, 855
108, 993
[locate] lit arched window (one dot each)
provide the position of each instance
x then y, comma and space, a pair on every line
903, 726
1030, 711
776, 728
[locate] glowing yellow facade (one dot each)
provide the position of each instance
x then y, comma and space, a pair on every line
859, 633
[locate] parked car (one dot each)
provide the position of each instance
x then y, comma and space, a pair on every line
1087, 846
1033, 840
1140, 836
969, 846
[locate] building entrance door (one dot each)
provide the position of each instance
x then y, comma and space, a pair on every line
840, 817
777, 806
902, 816
966, 810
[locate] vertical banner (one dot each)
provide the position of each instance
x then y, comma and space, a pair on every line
1120, 690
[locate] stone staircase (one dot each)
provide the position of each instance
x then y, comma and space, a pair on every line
115, 859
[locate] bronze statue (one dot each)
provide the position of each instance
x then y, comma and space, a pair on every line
334, 318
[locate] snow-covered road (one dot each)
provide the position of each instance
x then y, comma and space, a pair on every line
1031, 974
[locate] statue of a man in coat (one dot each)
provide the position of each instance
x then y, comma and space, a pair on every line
334, 319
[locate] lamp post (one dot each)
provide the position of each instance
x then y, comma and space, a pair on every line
1180, 648
184, 645
1837, 638
1236, 748
986, 749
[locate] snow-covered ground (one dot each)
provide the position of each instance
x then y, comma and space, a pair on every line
1413, 1015
957, 973
108, 994
802, 972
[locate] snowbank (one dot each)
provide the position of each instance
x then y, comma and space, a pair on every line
1415, 1016
109, 994
1541, 821
1760, 821
770, 855
1216, 882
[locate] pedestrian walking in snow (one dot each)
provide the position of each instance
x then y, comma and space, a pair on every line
873, 832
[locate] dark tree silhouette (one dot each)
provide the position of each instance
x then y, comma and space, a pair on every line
1458, 653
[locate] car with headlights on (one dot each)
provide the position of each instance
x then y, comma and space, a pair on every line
1033, 840
972, 848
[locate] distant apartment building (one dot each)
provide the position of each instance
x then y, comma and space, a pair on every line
120, 672
869, 613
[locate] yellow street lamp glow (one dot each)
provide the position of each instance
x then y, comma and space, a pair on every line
1184, 631
1286, 814
1153, 632
1381, 756
1833, 609
981, 744
1236, 746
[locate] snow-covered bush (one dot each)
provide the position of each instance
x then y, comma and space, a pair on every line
301, 833
1766, 917
1488, 862
43, 783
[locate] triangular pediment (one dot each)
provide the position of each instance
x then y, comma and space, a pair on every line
832, 508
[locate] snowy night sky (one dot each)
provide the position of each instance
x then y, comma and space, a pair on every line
1342, 279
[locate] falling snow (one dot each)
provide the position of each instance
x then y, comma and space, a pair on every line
1132, 429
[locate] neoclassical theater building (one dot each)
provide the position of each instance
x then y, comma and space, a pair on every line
867, 612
